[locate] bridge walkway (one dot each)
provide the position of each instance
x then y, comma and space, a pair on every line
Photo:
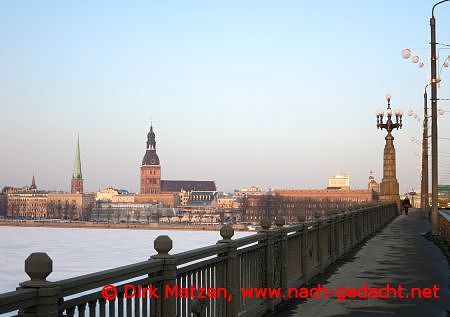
398, 254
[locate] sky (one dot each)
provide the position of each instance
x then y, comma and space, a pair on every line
278, 94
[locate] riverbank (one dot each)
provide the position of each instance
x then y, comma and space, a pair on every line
96, 225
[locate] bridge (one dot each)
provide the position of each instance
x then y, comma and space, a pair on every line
371, 245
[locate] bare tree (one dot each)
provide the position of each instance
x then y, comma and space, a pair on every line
87, 211
137, 215
73, 210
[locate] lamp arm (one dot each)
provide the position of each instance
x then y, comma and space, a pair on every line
432, 10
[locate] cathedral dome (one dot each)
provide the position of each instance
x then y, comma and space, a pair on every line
150, 158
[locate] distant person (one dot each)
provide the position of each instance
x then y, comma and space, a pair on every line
406, 204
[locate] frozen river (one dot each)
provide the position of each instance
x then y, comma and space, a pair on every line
76, 251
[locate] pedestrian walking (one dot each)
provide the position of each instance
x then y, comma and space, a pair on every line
406, 204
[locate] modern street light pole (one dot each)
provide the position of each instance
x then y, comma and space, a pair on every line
407, 54
434, 133
424, 190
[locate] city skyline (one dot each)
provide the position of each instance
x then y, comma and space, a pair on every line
245, 94
76, 176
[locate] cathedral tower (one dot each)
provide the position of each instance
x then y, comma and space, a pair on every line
76, 185
150, 169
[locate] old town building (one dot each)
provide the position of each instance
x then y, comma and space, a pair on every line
24, 202
63, 205
30, 203
350, 195
111, 194
3, 204
27, 205
339, 181
292, 203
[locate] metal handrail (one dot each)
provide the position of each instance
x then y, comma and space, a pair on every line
91, 281
15, 300
226, 263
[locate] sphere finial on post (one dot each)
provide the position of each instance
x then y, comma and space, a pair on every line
226, 232
301, 218
265, 223
280, 222
163, 244
38, 266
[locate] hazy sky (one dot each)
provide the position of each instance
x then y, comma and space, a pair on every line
278, 94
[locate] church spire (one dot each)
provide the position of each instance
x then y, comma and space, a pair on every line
33, 183
77, 164
76, 184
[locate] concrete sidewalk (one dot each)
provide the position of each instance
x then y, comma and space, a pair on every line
399, 254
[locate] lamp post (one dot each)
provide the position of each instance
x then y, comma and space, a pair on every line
434, 133
425, 203
406, 54
424, 190
389, 185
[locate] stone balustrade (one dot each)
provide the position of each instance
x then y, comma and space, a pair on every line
444, 225
278, 256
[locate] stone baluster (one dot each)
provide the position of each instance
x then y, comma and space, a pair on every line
269, 258
162, 245
301, 218
280, 222
351, 220
198, 307
333, 237
318, 251
231, 271
38, 266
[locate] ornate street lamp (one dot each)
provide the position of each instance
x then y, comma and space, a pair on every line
389, 185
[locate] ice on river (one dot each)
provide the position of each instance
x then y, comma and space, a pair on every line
77, 251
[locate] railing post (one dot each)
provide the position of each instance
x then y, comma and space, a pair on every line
352, 228
307, 253
347, 231
269, 260
340, 232
333, 237
379, 216
303, 254
162, 245
38, 266
232, 271
365, 218
198, 307
394, 211
371, 220
359, 225
318, 251
280, 222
